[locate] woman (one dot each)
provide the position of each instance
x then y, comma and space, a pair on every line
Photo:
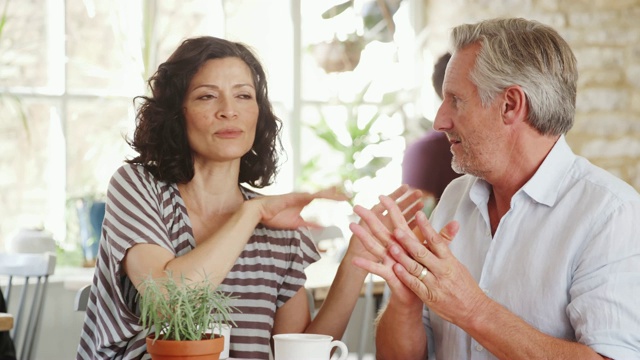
208, 127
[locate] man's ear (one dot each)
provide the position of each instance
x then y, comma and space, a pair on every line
514, 105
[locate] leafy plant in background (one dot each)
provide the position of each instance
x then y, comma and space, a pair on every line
357, 161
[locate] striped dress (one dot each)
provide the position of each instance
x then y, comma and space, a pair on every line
143, 210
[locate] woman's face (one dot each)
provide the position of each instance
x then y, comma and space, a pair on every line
221, 111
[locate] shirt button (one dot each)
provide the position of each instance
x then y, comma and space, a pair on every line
479, 347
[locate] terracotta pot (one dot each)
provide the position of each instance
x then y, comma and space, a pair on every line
205, 349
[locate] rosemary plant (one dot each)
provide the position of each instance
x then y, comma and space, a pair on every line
179, 309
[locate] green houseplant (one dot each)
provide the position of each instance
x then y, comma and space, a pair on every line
179, 315
357, 161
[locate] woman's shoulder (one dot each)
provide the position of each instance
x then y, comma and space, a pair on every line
135, 173
135, 177
132, 170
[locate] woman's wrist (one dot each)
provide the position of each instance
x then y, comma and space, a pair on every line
347, 265
250, 211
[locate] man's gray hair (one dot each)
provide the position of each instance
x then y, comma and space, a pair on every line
529, 54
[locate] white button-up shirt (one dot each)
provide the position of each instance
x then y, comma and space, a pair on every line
565, 257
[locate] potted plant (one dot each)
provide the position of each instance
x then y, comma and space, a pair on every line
179, 315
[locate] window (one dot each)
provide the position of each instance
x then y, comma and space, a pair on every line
69, 70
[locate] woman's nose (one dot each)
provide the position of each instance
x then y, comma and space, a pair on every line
226, 109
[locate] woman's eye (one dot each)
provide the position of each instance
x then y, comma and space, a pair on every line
245, 96
206, 97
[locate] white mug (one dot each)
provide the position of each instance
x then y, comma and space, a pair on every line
225, 331
307, 346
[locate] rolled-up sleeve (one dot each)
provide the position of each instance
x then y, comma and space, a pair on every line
605, 291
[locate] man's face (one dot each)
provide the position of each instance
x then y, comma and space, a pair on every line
474, 132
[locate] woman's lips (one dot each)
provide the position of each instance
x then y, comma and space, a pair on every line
228, 133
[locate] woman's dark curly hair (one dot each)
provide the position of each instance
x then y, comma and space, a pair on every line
160, 137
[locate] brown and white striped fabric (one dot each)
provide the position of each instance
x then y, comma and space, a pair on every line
140, 209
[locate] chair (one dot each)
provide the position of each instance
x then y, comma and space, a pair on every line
82, 298
20, 269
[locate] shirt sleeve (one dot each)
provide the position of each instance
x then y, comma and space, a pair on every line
133, 216
303, 253
605, 304
134, 212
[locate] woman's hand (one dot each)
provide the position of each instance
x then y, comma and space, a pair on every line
376, 220
283, 211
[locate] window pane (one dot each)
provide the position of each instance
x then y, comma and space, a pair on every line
104, 47
23, 45
96, 144
27, 164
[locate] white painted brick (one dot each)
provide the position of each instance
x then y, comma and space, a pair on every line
633, 76
591, 19
606, 125
592, 57
592, 99
600, 77
627, 146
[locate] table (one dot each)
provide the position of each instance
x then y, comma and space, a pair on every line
6, 321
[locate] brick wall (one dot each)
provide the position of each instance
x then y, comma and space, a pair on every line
605, 37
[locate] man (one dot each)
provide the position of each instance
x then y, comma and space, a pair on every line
427, 161
538, 252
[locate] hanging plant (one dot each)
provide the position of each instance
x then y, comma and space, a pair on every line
337, 55
344, 55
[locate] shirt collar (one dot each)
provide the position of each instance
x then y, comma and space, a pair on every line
544, 185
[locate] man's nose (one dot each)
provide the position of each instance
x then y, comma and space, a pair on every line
442, 121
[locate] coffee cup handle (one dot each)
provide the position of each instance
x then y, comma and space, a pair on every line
344, 352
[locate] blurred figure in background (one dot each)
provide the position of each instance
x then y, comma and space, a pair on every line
427, 161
